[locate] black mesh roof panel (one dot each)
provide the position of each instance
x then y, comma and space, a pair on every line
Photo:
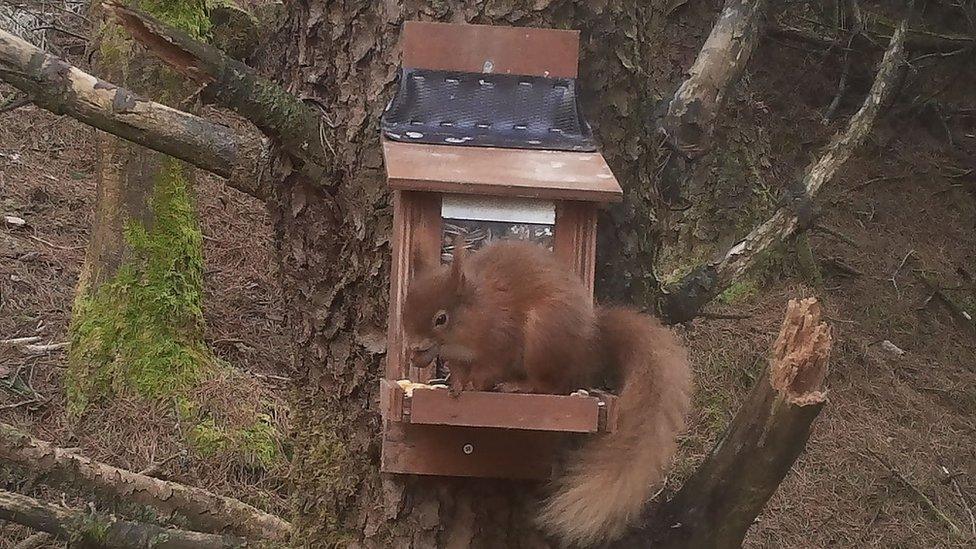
487, 110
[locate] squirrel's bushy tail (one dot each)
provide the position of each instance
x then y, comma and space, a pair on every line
609, 479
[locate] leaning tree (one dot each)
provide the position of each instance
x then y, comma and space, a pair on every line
332, 70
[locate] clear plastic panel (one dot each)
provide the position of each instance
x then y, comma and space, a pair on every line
482, 220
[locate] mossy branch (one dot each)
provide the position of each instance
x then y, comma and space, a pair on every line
683, 300
299, 129
61, 88
202, 510
93, 530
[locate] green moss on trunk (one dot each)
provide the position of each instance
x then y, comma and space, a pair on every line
137, 331
142, 331
190, 16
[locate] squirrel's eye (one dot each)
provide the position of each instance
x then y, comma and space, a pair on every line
440, 318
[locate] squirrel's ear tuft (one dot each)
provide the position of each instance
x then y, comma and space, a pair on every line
419, 262
457, 264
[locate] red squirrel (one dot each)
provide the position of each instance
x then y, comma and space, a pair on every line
510, 317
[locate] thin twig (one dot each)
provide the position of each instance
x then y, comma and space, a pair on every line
15, 104
64, 9
843, 320
894, 275
20, 340
842, 85
965, 502
925, 499
835, 233
941, 54
53, 245
721, 316
59, 29
39, 539
41, 349
27, 402
154, 468
860, 186
272, 377
842, 266
961, 315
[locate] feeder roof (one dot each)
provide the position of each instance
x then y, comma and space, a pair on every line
515, 163
552, 175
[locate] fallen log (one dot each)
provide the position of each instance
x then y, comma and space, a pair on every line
202, 510
93, 530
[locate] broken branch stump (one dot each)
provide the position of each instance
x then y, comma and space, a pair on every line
718, 504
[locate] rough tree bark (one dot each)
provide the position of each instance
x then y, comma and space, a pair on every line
200, 509
88, 530
335, 256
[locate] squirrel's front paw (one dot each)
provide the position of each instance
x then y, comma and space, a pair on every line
454, 389
512, 387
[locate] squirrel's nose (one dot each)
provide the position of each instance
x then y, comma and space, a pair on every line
415, 358
421, 354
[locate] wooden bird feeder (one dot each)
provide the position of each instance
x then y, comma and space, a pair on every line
484, 138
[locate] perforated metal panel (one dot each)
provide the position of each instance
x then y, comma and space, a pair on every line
487, 110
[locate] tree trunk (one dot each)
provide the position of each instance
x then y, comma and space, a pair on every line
335, 253
137, 323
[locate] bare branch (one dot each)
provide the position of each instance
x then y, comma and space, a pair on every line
915, 40
61, 88
683, 300
691, 114
929, 504
690, 120
101, 531
721, 500
298, 128
41, 539
202, 510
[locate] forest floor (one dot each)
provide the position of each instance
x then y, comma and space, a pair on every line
892, 460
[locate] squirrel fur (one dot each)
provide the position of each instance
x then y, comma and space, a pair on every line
510, 317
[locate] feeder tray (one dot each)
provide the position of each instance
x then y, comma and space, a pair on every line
499, 150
